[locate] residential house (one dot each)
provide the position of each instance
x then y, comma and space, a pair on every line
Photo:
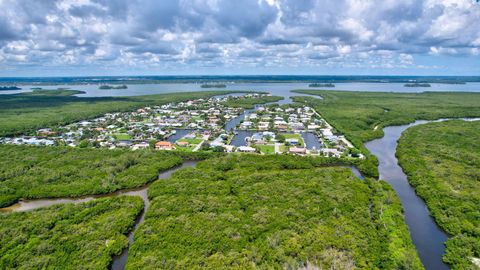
297, 150
246, 149
164, 145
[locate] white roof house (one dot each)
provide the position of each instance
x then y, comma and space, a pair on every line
326, 132
246, 149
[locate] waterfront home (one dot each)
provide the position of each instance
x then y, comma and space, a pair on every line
246, 149
281, 127
263, 125
292, 141
297, 126
326, 132
124, 143
297, 150
261, 142
268, 133
257, 137
279, 122
228, 148
217, 143
142, 145
183, 143
164, 145
246, 125
266, 118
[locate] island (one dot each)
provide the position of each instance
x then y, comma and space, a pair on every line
417, 85
217, 85
7, 88
109, 87
321, 85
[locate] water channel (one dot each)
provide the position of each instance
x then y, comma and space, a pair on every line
120, 260
427, 237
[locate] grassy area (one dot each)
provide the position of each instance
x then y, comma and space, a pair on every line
69, 236
27, 112
185, 148
360, 116
191, 141
266, 149
122, 136
271, 212
301, 143
40, 172
283, 148
442, 161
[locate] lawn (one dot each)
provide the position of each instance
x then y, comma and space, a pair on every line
191, 141
122, 136
301, 143
185, 148
266, 149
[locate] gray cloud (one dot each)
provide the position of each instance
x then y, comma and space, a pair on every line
225, 32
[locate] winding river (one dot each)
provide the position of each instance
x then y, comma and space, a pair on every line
427, 237
120, 260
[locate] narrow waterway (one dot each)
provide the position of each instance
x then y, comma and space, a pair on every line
119, 261
427, 237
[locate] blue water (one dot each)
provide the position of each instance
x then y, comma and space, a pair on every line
281, 89
239, 138
311, 140
180, 133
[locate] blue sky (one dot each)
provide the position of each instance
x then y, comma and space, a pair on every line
169, 37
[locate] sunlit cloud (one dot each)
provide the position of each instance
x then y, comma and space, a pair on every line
180, 34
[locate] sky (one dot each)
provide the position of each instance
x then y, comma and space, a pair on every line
230, 37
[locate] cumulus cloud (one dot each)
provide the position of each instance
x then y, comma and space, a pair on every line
364, 33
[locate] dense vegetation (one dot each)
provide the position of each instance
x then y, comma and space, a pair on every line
115, 87
361, 116
39, 172
217, 85
417, 85
271, 212
442, 161
5, 88
69, 236
249, 103
321, 85
25, 112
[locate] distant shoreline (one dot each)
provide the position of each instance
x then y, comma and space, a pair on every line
114, 80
